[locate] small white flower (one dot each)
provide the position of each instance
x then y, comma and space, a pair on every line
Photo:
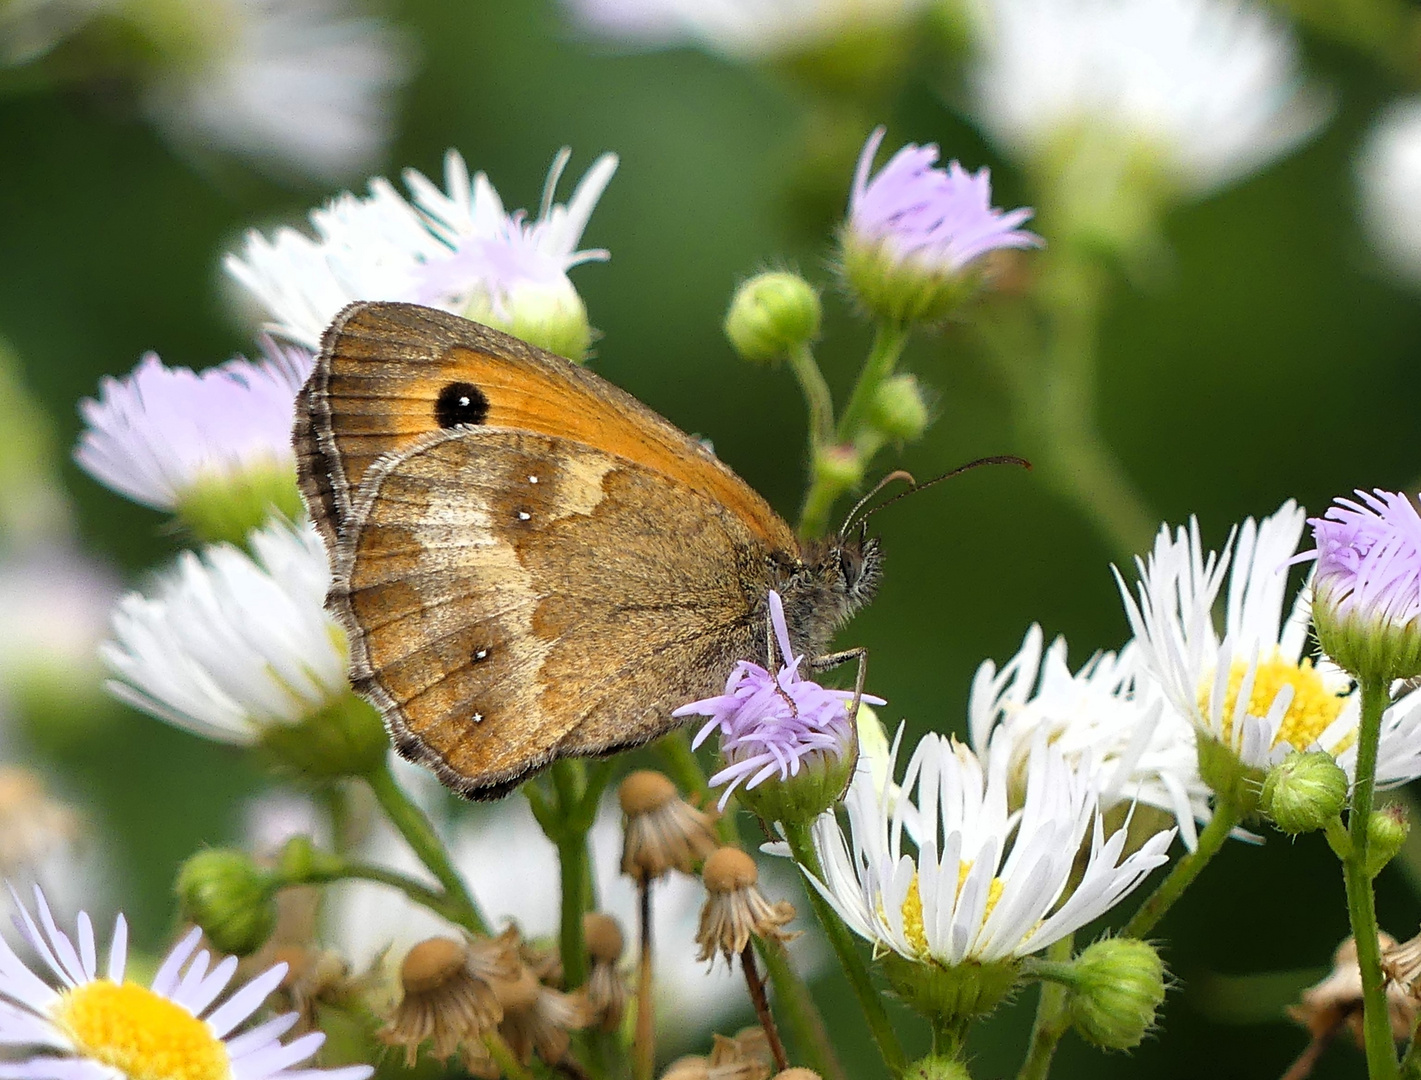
300, 86
1250, 683
228, 643
741, 29
1210, 86
456, 248
161, 433
1109, 713
963, 879
1389, 175
94, 1025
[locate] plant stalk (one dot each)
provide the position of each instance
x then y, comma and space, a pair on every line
1051, 1021
1183, 873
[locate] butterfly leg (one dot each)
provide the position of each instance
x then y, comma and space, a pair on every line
833, 660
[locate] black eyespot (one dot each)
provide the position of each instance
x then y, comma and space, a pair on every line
460, 403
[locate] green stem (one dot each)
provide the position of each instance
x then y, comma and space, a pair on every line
826, 485
1051, 1020
802, 1016
1411, 1061
816, 396
419, 833
888, 343
949, 1037
1361, 904
569, 781
1211, 839
335, 868
841, 941
502, 1055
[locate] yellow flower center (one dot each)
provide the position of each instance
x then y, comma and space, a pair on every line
1312, 709
913, 907
142, 1034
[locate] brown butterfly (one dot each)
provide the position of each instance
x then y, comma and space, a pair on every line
530, 563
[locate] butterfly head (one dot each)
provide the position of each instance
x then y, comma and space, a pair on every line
836, 578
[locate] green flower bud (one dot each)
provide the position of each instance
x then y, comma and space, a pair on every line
1227, 776
936, 1067
1117, 986
899, 410
344, 738
947, 994
771, 314
230, 897
1386, 833
551, 316
1304, 792
839, 466
227, 506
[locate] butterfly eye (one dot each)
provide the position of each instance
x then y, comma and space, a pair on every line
460, 403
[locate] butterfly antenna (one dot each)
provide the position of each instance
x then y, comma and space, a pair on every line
893, 477
999, 459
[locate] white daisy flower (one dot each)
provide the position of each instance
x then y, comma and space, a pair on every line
228, 644
964, 879
1210, 87
742, 29
87, 1023
1250, 683
299, 86
161, 435
1109, 713
1389, 176
456, 248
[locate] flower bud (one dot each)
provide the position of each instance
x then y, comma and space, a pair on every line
549, 315
1386, 833
1117, 985
899, 410
936, 1067
840, 466
771, 314
230, 897
801, 797
1304, 792
346, 737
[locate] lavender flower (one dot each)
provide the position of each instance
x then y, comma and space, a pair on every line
779, 725
214, 446
915, 231
1367, 587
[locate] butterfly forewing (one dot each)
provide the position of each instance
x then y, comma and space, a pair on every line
513, 597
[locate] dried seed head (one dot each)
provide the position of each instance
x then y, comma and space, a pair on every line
662, 831
449, 994
728, 1060
32, 825
544, 1026
735, 909
313, 977
797, 1074
603, 936
1337, 999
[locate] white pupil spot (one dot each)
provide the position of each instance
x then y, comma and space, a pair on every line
478, 718
481, 654
465, 401
523, 515
532, 479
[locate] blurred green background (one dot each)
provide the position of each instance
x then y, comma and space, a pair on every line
1273, 360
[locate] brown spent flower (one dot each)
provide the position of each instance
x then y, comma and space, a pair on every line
1337, 999
313, 977
1402, 965
798, 1074
544, 1024
449, 994
663, 832
607, 990
728, 1061
735, 908
32, 825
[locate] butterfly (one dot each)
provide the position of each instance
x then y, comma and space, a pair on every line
530, 563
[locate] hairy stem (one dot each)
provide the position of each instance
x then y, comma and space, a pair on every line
802, 1015
1051, 1021
841, 941
1361, 904
1183, 873
418, 832
756, 988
